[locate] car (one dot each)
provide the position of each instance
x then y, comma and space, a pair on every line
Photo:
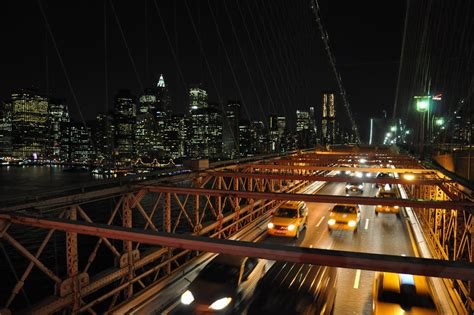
355, 187
289, 219
392, 194
344, 217
294, 288
224, 285
402, 294
383, 175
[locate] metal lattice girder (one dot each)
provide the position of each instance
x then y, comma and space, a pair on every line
322, 178
333, 168
354, 260
318, 161
415, 203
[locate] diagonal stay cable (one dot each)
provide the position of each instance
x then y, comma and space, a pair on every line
239, 90
245, 60
126, 45
259, 66
203, 52
63, 67
315, 8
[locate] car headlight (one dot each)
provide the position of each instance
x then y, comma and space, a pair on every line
396, 207
348, 186
361, 186
368, 174
338, 172
379, 206
291, 227
359, 174
352, 223
221, 303
187, 298
270, 225
331, 221
347, 172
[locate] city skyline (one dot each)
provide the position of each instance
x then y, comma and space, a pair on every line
271, 86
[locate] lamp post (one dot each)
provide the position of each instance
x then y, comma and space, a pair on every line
422, 106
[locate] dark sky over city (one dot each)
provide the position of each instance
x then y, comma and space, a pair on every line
268, 54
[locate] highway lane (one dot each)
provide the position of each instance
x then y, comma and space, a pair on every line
383, 234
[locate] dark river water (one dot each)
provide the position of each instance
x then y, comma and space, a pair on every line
20, 181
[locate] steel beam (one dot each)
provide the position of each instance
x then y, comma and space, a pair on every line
332, 168
338, 179
333, 258
415, 203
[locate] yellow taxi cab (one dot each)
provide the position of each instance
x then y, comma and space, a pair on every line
387, 193
344, 217
289, 219
395, 293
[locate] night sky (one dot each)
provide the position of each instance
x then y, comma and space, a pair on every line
285, 67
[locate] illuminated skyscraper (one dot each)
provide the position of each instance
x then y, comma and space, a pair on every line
205, 132
304, 130
231, 130
58, 125
328, 127
302, 120
197, 98
278, 132
81, 149
259, 137
5, 129
124, 122
175, 136
104, 134
245, 138
29, 124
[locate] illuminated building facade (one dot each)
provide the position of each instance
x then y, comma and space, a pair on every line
124, 121
58, 125
174, 136
104, 133
205, 133
305, 136
5, 129
259, 137
245, 138
328, 127
231, 130
81, 149
197, 99
29, 124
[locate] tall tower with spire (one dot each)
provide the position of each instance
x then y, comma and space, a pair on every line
163, 99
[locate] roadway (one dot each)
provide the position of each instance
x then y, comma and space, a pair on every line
383, 234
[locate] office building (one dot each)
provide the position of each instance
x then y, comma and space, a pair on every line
231, 130
29, 124
328, 123
125, 123
5, 130
58, 125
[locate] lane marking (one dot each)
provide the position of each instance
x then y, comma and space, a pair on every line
366, 224
320, 221
357, 279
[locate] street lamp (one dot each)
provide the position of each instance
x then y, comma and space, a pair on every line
423, 107
422, 103
439, 121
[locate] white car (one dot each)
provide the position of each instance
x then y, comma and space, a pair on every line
223, 285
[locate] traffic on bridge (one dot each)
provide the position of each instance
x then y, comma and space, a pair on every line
379, 227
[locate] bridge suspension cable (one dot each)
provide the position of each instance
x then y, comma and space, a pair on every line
332, 60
